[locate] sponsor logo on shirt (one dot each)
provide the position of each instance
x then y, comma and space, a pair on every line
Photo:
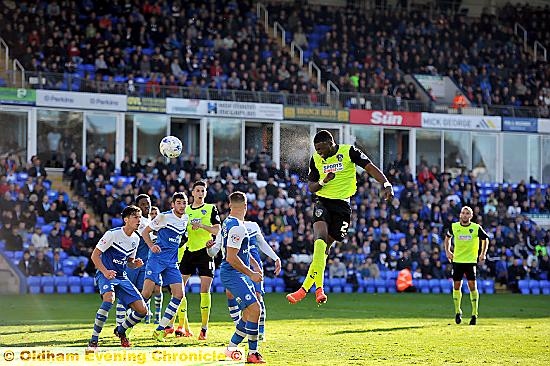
331, 168
196, 221
177, 239
465, 237
118, 261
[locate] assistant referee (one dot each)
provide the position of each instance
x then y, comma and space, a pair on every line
467, 236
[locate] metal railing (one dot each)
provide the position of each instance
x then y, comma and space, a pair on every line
262, 10
5, 51
351, 100
517, 28
312, 66
293, 48
276, 28
18, 69
536, 46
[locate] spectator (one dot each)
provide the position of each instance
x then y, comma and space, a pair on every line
337, 269
41, 266
37, 170
57, 264
39, 239
80, 270
291, 278
25, 264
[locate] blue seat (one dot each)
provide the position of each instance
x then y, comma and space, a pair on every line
435, 286
88, 286
423, 286
220, 288
34, 284
523, 286
534, 286
391, 286
465, 288
47, 283
545, 287
61, 284
116, 222
74, 285
348, 289
268, 288
488, 286
380, 285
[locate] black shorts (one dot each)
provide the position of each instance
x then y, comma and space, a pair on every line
337, 215
461, 269
199, 261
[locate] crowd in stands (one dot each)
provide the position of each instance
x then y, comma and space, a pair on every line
407, 232
217, 45
368, 51
222, 46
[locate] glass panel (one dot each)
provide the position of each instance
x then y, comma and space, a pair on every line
484, 157
521, 157
428, 149
150, 130
100, 135
227, 140
368, 140
296, 147
396, 147
129, 136
545, 159
258, 143
458, 155
59, 133
334, 131
533, 152
188, 131
13, 139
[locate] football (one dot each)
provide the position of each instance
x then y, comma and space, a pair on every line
170, 147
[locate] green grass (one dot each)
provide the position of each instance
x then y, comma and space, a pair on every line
350, 329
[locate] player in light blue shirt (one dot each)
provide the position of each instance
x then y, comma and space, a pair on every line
117, 249
162, 264
237, 276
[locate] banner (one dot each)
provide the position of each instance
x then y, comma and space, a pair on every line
224, 109
141, 104
385, 118
194, 107
461, 122
17, 96
543, 125
520, 124
245, 110
96, 101
316, 114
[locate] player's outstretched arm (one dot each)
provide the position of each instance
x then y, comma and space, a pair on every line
213, 249
377, 174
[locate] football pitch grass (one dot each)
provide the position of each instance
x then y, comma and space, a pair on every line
351, 329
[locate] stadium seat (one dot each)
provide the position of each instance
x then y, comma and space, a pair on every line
423, 286
88, 285
61, 284
220, 288
391, 286
369, 285
435, 286
74, 285
34, 284
488, 286
465, 288
523, 286
116, 222
380, 286
534, 286
545, 287
268, 288
47, 283
348, 289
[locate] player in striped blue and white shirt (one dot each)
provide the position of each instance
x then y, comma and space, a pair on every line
257, 243
117, 249
162, 264
238, 277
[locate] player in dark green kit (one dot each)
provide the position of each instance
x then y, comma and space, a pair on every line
467, 237
332, 180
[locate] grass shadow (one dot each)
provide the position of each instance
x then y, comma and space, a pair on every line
60, 329
375, 330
